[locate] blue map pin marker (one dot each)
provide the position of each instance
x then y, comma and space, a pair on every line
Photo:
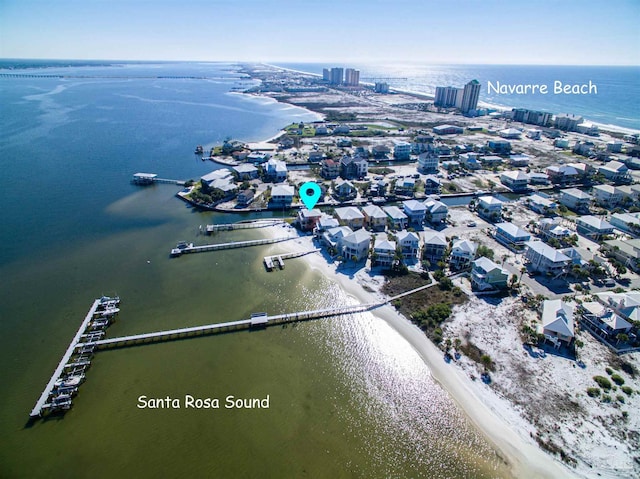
310, 194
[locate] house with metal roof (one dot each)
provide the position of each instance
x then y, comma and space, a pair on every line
397, 219
541, 204
350, 216
487, 275
374, 218
308, 219
575, 199
415, 211
544, 259
515, 180
489, 208
281, 196
436, 212
593, 227
434, 246
462, 254
385, 252
557, 323
409, 243
511, 236
607, 196
616, 172
356, 245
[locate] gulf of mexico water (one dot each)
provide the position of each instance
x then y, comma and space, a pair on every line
616, 103
348, 396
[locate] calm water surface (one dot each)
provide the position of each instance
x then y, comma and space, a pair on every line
348, 396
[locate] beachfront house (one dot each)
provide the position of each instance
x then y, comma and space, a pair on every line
544, 259
462, 254
332, 238
415, 211
384, 252
515, 180
487, 275
281, 196
512, 236
607, 196
557, 324
409, 243
603, 320
374, 218
436, 212
397, 219
434, 246
308, 219
489, 208
325, 223
355, 246
575, 199
593, 227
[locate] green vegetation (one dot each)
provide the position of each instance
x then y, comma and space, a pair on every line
603, 382
340, 116
381, 171
593, 392
606, 398
484, 251
616, 378
627, 390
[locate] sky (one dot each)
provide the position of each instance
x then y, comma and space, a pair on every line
551, 32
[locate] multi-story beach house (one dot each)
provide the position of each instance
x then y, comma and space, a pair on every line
397, 219
515, 180
616, 172
607, 196
344, 190
281, 196
537, 178
405, 186
511, 236
432, 185
275, 170
487, 275
557, 323
353, 167
500, 147
593, 227
541, 205
374, 218
489, 208
628, 222
519, 160
562, 174
401, 150
245, 197
409, 243
462, 254
434, 247
350, 216
325, 223
550, 228
415, 211
627, 252
489, 161
380, 152
356, 245
544, 259
329, 169
575, 199
308, 219
245, 171
384, 252
436, 212
428, 163
604, 319
333, 237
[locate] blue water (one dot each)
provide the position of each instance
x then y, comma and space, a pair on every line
617, 102
70, 145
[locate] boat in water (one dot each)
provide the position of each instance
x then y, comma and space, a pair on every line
199, 150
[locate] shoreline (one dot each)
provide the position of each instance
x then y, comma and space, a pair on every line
523, 456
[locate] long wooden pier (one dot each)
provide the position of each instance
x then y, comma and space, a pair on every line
255, 322
42, 403
185, 248
243, 225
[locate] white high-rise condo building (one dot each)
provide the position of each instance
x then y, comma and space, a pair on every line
470, 96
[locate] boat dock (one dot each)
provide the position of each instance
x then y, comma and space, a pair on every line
151, 178
185, 248
210, 229
79, 363
270, 262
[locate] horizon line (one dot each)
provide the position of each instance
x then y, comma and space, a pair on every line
272, 62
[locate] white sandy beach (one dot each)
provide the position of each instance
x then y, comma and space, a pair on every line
495, 419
